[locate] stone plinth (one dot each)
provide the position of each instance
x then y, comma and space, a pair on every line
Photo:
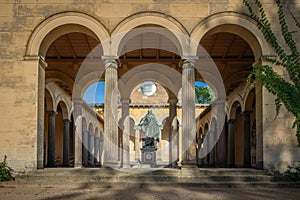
149, 156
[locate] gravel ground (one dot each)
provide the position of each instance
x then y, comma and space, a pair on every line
144, 192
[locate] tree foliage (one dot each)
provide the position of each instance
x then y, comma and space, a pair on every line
287, 92
204, 94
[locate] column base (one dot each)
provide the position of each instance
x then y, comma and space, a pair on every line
112, 165
188, 165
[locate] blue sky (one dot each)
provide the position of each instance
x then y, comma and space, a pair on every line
95, 92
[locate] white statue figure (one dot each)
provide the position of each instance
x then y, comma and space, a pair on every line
151, 126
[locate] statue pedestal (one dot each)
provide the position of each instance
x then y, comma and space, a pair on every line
149, 156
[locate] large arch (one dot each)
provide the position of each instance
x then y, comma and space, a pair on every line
60, 24
235, 23
176, 31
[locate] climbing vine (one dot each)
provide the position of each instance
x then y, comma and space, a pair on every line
287, 92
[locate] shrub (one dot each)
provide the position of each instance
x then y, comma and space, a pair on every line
293, 173
5, 171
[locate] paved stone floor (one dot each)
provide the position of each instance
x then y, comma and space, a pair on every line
144, 192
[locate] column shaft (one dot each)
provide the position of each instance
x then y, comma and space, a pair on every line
85, 140
137, 145
212, 151
230, 140
78, 133
188, 113
92, 149
97, 151
66, 147
51, 139
126, 133
111, 113
172, 131
221, 149
246, 124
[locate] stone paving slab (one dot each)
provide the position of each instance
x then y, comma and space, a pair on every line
144, 192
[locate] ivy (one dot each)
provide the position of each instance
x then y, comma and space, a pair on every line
287, 92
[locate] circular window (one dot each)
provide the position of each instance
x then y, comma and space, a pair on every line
148, 88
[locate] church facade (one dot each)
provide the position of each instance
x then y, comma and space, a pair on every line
52, 52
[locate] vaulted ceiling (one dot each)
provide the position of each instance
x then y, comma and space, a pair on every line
231, 53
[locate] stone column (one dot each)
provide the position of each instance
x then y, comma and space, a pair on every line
205, 145
97, 151
51, 139
92, 149
221, 149
246, 127
78, 133
173, 134
230, 140
101, 149
111, 112
66, 147
212, 151
41, 158
126, 132
85, 140
137, 145
180, 153
188, 112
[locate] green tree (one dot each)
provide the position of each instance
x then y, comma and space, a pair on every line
204, 94
287, 92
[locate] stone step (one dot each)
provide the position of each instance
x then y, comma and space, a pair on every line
101, 177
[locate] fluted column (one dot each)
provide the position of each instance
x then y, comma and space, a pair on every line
230, 140
85, 139
188, 112
92, 149
246, 124
97, 151
137, 145
78, 133
51, 139
173, 130
221, 149
66, 147
111, 112
212, 151
126, 132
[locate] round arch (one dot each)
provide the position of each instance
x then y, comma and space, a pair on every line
64, 108
176, 31
84, 82
53, 76
249, 98
91, 128
49, 99
234, 23
164, 76
84, 124
61, 98
60, 24
233, 107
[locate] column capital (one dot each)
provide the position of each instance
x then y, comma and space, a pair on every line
66, 120
188, 61
173, 100
125, 101
246, 112
51, 112
40, 59
111, 62
230, 121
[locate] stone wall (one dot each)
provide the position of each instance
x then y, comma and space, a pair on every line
20, 122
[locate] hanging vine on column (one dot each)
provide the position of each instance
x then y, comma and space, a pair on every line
287, 92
